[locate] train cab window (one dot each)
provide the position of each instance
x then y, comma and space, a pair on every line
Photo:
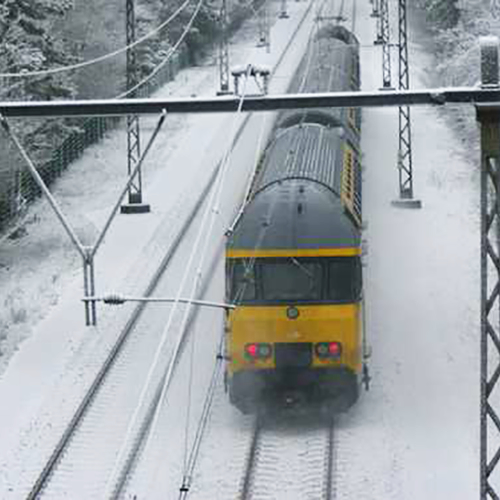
344, 279
242, 281
291, 279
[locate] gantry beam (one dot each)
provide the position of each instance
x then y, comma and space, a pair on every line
226, 104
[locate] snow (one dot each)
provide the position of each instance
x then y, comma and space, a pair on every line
414, 435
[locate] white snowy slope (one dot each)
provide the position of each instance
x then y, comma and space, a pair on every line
412, 436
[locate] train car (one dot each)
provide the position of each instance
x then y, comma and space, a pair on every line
293, 266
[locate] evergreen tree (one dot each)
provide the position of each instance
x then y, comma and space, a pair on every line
26, 44
443, 13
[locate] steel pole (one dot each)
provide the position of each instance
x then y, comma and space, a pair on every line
386, 50
489, 121
223, 51
405, 157
135, 204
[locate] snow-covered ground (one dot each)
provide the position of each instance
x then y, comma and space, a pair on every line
414, 435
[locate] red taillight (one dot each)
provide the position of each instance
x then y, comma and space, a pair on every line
252, 350
334, 349
328, 350
258, 351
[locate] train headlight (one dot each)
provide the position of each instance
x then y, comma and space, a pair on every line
292, 312
264, 350
258, 351
328, 350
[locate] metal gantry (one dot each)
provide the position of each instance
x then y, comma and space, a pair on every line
135, 204
489, 120
223, 51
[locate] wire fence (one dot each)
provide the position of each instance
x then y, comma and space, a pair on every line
18, 189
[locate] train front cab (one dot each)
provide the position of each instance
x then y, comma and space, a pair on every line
295, 336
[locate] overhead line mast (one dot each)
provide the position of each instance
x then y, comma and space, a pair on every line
386, 50
405, 160
264, 26
223, 51
135, 204
489, 120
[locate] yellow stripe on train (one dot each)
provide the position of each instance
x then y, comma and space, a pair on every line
300, 252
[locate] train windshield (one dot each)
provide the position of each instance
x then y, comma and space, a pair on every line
295, 279
291, 279
344, 279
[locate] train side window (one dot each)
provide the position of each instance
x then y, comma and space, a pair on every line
344, 279
243, 281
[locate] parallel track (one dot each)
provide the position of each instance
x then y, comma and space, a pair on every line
90, 397
89, 400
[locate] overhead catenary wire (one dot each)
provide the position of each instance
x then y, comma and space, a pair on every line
169, 55
71, 67
249, 263
202, 423
213, 208
115, 476
255, 173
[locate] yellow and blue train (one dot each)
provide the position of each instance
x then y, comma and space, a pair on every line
293, 259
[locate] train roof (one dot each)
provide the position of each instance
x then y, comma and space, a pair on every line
294, 214
330, 64
305, 150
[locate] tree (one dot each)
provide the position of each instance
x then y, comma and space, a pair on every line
26, 44
443, 13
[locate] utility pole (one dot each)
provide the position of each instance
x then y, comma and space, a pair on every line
223, 52
405, 160
134, 204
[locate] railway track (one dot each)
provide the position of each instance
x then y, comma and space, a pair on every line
290, 457
112, 396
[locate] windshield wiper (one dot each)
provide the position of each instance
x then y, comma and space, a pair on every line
303, 268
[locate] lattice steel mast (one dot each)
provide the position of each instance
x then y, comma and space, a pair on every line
385, 40
405, 161
135, 204
489, 118
264, 28
223, 51
283, 12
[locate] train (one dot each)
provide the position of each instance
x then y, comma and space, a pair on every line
293, 257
